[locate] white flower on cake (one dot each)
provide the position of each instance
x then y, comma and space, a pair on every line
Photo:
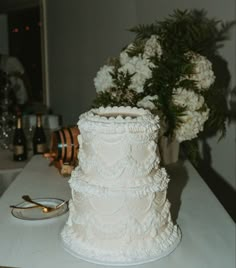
140, 68
152, 47
147, 102
203, 73
103, 81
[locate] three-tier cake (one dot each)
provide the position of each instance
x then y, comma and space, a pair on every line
119, 213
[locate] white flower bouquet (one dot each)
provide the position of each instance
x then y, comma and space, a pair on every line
168, 70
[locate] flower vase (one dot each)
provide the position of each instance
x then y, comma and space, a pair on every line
168, 150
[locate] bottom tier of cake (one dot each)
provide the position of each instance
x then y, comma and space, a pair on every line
121, 229
151, 250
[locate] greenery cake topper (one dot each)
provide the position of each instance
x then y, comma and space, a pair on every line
171, 68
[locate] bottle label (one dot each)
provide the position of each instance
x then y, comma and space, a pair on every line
18, 149
41, 148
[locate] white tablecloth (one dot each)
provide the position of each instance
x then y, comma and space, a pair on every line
208, 232
9, 169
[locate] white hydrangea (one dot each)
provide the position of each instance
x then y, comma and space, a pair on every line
203, 73
124, 57
103, 80
193, 122
141, 70
187, 98
194, 117
152, 47
140, 66
147, 102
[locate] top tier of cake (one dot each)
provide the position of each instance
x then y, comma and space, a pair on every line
117, 120
118, 144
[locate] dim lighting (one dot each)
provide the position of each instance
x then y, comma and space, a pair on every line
15, 30
27, 28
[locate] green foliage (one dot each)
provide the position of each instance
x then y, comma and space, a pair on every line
120, 97
122, 80
219, 112
179, 33
187, 30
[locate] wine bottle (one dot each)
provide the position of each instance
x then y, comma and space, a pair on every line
39, 138
19, 142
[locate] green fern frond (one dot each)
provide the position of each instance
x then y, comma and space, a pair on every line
144, 31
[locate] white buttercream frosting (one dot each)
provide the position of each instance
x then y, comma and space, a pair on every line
118, 211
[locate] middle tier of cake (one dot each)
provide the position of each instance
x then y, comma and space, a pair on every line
156, 180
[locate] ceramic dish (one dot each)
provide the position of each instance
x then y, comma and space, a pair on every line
36, 213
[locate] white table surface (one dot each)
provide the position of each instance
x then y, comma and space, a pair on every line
208, 232
9, 169
7, 163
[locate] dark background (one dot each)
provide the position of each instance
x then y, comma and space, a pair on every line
24, 28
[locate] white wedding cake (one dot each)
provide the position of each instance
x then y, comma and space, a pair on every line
119, 213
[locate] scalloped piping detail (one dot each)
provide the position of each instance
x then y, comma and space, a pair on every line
121, 114
130, 226
141, 137
93, 161
143, 122
157, 183
137, 250
116, 170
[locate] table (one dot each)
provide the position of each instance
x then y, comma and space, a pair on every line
9, 169
208, 232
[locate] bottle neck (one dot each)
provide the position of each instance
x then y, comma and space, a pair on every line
39, 121
19, 123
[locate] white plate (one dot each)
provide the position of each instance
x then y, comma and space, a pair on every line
37, 213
